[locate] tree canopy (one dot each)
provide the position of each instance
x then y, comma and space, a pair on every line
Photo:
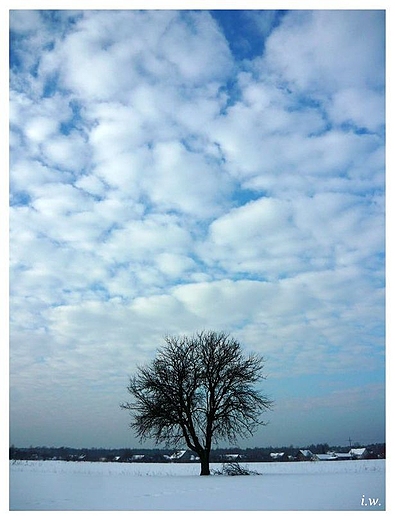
198, 390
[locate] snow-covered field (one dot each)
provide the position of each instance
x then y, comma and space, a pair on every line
100, 486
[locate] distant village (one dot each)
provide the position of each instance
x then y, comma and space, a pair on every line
319, 452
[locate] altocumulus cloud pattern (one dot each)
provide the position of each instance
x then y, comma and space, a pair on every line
177, 171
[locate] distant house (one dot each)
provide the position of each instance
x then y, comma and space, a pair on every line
232, 456
278, 456
342, 456
305, 455
324, 456
359, 453
136, 458
181, 456
177, 455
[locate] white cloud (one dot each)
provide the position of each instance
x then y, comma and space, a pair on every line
274, 238
40, 128
341, 225
67, 152
211, 56
106, 59
28, 174
275, 150
258, 238
326, 50
174, 265
362, 107
93, 185
35, 124
185, 181
59, 199
143, 239
117, 130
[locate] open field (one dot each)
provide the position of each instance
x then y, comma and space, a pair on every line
58, 485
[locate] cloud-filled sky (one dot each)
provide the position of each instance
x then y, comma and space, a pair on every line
173, 171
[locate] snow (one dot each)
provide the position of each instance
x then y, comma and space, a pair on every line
277, 455
325, 456
306, 453
80, 486
176, 455
357, 452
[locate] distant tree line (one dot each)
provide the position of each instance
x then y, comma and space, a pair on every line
165, 455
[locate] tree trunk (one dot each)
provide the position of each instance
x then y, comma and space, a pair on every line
204, 463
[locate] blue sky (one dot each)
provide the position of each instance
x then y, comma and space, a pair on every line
172, 171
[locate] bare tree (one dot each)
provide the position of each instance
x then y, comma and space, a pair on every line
198, 390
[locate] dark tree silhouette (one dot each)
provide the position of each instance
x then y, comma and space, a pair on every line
198, 390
